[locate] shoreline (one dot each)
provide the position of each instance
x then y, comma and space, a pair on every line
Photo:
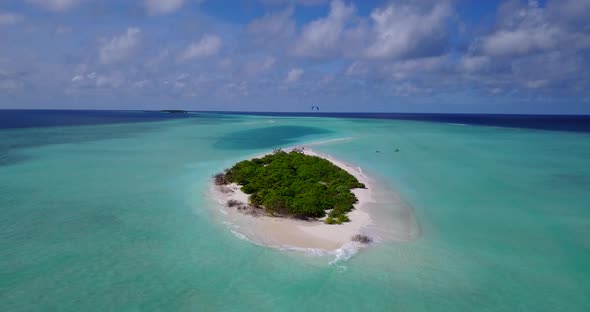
289, 233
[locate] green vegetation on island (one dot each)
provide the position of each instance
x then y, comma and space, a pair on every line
294, 184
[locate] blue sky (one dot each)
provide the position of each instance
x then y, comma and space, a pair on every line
287, 55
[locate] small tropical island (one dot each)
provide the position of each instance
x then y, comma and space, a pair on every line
296, 198
293, 184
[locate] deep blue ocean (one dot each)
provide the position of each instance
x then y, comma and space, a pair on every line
52, 118
47, 118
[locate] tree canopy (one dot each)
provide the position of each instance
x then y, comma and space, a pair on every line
295, 184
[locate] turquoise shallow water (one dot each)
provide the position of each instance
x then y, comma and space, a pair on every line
116, 218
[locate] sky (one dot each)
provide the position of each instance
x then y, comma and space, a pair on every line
455, 56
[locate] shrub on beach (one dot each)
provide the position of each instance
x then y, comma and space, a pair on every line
233, 203
343, 218
220, 179
361, 238
244, 208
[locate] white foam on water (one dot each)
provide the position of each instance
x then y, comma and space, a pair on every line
240, 236
342, 254
346, 252
325, 141
257, 122
341, 268
318, 252
227, 223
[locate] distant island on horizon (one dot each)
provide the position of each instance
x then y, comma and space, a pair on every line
173, 111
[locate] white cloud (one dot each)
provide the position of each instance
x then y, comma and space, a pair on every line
119, 47
406, 30
225, 63
474, 63
496, 90
521, 41
256, 67
405, 69
83, 79
56, 5
208, 45
572, 12
395, 31
94, 80
398, 70
357, 69
325, 35
520, 31
113, 80
407, 89
532, 29
77, 78
7, 18
159, 7
10, 84
294, 75
535, 84
272, 28
157, 60
533, 46
141, 83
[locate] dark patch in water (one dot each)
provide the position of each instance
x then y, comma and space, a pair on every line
13, 142
21, 129
269, 137
7, 158
568, 180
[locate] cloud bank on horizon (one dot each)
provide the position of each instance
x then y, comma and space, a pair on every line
286, 55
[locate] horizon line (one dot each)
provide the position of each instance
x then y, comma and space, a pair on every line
296, 112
